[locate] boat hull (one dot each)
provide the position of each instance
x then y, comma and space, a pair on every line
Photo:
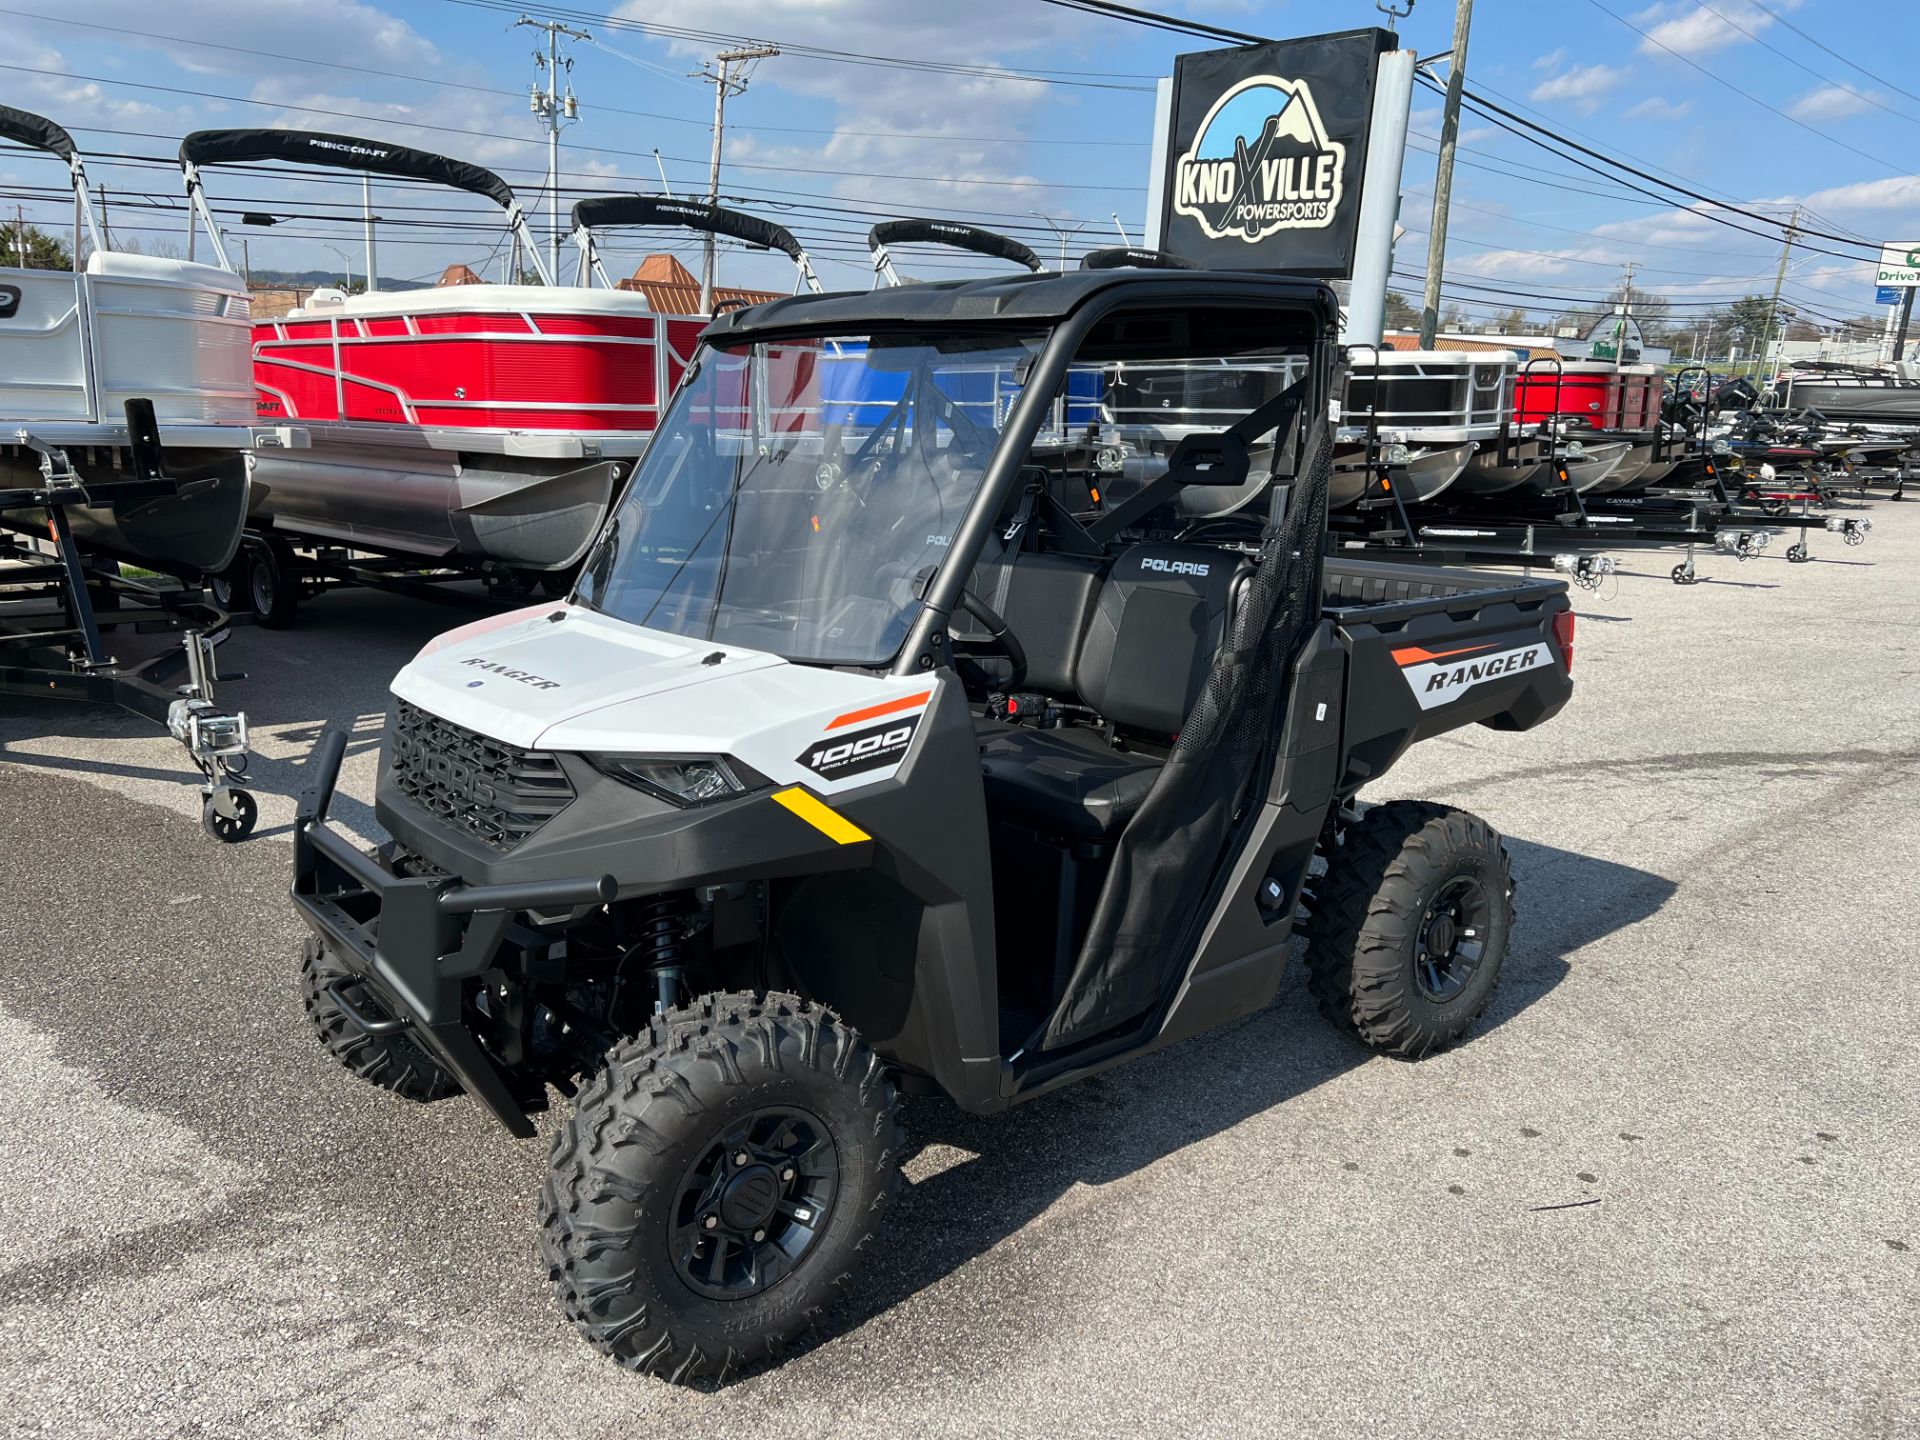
196, 530
1429, 472
1860, 404
1523, 465
525, 513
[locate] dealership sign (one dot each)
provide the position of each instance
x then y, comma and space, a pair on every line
1264, 153
1900, 265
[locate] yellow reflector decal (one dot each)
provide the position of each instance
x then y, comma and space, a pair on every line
822, 817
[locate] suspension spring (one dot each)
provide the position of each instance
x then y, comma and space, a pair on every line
662, 946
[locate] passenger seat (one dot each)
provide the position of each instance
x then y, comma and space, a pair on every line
1161, 616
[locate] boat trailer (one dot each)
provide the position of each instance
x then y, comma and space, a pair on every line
58, 611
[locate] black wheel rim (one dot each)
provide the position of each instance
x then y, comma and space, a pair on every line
1453, 938
754, 1203
263, 589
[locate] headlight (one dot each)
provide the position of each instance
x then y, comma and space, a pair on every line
682, 779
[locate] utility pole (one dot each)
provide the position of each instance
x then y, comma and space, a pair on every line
20, 233
556, 109
1626, 314
1443, 174
1779, 279
366, 205
1065, 235
724, 83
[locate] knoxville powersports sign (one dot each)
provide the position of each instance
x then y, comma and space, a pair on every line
1265, 150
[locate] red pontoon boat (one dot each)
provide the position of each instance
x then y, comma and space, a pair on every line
472, 424
1599, 403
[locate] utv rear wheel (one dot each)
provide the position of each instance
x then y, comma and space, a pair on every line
719, 1179
395, 1062
1410, 927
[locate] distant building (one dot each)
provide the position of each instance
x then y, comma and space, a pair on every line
672, 289
1408, 340
458, 275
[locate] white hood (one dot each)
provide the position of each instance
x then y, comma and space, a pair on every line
516, 676
589, 684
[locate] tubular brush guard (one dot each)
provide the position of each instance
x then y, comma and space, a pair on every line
414, 941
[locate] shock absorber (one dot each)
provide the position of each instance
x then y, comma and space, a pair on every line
662, 943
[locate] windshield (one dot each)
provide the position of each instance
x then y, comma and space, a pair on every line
800, 495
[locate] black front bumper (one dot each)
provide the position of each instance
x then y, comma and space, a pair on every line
416, 941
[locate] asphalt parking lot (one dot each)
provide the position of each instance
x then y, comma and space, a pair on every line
1671, 1186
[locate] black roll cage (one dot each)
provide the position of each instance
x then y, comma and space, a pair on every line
926, 644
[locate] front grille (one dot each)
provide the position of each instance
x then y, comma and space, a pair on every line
474, 784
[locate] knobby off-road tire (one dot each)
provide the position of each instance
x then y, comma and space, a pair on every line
393, 1062
625, 1211
1408, 875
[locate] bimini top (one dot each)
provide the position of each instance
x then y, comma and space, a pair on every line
691, 214
35, 130
1039, 298
343, 152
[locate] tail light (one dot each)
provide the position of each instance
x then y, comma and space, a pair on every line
1563, 633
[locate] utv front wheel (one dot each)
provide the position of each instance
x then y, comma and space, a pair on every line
720, 1178
1410, 927
392, 1061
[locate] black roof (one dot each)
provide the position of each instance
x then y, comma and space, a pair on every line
1007, 299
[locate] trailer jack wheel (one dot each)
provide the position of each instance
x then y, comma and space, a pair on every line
1797, 554
1684, 575
228, 814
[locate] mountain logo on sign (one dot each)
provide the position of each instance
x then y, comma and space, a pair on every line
1261, 163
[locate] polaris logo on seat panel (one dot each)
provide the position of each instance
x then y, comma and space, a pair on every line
877, 748
507, 672
1174, 567
1438, 677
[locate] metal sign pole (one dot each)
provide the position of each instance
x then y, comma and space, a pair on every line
1900, 331
1380, 199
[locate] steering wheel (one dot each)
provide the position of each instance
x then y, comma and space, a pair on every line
999, 643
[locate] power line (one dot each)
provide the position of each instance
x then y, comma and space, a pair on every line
1135, 15
1036, 75
1745, 94
525, 140
1487, 108
1855, 64
607, 109
1808, 69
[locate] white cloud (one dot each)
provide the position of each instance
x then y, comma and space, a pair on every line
1896, 192
937, 111
1830, 102
1656, 107
1581, 86
1512, 264
1552, 60
1686, 27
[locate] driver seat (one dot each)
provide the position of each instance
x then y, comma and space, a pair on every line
1161, 617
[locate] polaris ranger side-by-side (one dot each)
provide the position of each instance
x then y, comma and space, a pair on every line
905, 733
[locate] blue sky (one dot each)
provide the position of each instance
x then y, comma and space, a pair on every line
821, 143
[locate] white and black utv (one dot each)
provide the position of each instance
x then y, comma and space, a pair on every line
904, 734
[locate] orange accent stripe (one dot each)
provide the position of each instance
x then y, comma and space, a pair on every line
1414, 655
888, 707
